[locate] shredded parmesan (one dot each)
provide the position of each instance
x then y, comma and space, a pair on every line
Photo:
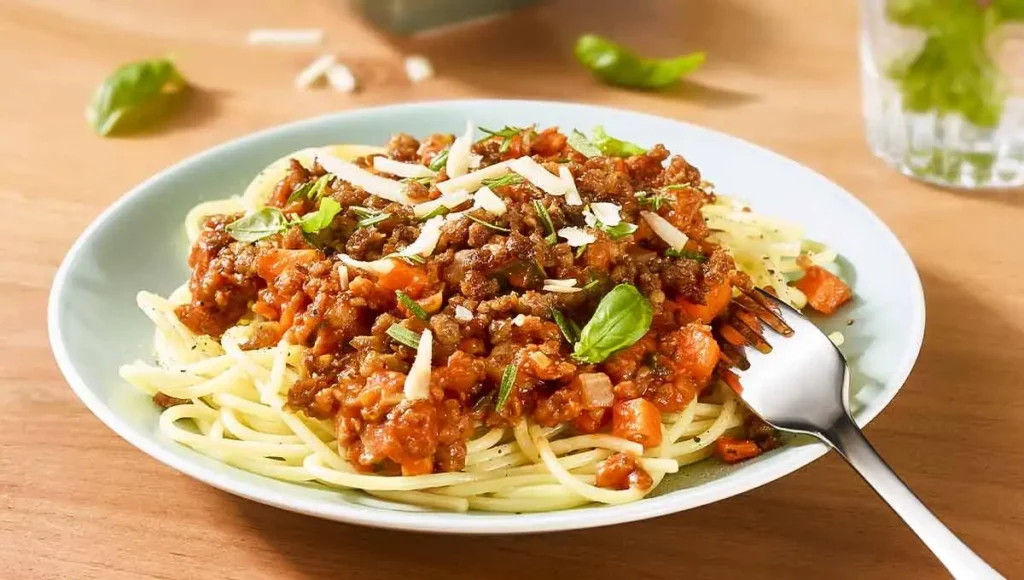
519, 320
343, 276
561, 289
576, 237
400, 169
449, 200
606, 213
388, 189
424, 245
417, 382
473, 181
341, 78
418, 68
286, 36
489, 201
379, 267
459, 153
463, 314
537, 175
665, 230
475, 161
314, 71
560, 282
572, 195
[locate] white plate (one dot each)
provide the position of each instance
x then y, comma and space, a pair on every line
139, 243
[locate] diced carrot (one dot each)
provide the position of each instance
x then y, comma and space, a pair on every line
718, 297
637, 420
694, 350
824, 290
271, 264
291, 309
589, 421
265, 310
731, 450
409, 279
421, 466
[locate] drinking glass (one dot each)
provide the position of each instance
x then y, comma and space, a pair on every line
943, 84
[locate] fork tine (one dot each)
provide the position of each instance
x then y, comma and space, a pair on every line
752, 335
765, 310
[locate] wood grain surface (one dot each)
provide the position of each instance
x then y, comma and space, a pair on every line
78, 502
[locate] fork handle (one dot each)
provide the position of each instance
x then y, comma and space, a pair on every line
846, 437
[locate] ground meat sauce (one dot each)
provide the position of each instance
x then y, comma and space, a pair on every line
291, 286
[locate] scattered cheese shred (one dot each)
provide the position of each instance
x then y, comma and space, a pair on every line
537, 175
576, 237
519, 320
561, 289
489, 201
459, 153
837, 338
401, 169
475, 161
417, 382
473, 181
572, 195
665, 230
341, 78
314, 71
430, 233
379, 267
449, 200
388, 189
286, 36
607, 213
418, 68
567, 282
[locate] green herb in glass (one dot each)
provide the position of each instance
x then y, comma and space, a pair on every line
403, 335
136, 97
622, 317
508, 381
617, 65
411, 305
545, 218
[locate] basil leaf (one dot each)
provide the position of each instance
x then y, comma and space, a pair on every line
617, 65
256, 226
301, 191
136, 96
508, 380
317, 190
411, 305
545, 219
567, 327
613, 147
622, 318
322, 217
619, 230
581, 143
403, 335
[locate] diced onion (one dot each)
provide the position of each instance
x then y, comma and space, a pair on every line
537, 175
401, 169
417, 382
489, 201
576, 237
314, 71
473, 181
596, 390
665, 230
286, 36
388, 189
341, 79
418, 68
430, 233
463, 314
572, 195
458, 154
608, 213
449, 200
379, 267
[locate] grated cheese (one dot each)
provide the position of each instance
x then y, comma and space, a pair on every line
572, 195
341, 78
459, 153
473, 181
489, 201
417, 382
379, 267
576, 237
425, 243
449, 200
519, 320
418, 68
388, 189
314, 71
665, 230
400, 169
606, 213
537, 175
561, 289
286, 36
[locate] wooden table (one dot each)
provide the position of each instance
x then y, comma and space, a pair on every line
78, 502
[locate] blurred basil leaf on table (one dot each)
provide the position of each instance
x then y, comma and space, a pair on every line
136, 96
618, 65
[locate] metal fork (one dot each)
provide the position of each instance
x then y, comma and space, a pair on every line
801, 384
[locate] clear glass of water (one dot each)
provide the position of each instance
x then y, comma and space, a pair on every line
943, 85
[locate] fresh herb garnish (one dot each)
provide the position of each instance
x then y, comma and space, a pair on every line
508, 380
368, 216
439, 210
269, 221
300, 191
506, 133
613, 147
592, 284
617, 65
673, 253
414, 260
489, 224
507, 179
580, 250
622, 318
619, 230
411, 305
581, 143
678, 186
403, 335
322, 217
136, 96
439, 160
424, 180
569, 331
312, 189
651, 200
545, 218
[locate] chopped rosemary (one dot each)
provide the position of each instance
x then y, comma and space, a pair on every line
672, 253
404, 336
507, 179
425, 180
489, 225
507, 133
580, 250
439, 210
411, 305
678, 186
508, 381
411, 260
368, 216
545, 218
568, 328
651, 200
439, 160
